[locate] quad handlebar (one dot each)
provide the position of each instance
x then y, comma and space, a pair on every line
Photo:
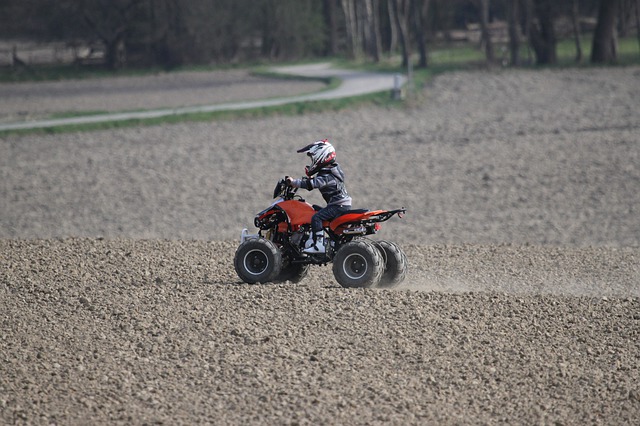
283, 190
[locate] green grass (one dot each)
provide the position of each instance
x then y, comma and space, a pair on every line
465, 56
628, 51
72, 114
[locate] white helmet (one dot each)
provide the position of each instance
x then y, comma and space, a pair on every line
321, 153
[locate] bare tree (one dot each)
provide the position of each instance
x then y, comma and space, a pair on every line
393, 28
401, 13
604, 41
527, 5
419, 10
541, 32
483, 6
331, 21
351, 27
638, 21
372, 29
110, 19
514, 31
625, 16
575, 14
376, 25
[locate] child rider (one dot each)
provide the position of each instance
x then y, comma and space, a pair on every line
330, 181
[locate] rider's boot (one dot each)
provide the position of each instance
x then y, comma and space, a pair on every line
315, 244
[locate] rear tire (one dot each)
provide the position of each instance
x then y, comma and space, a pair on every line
257, 260
395, 264
358, 264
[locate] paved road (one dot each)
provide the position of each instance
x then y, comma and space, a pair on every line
354, 83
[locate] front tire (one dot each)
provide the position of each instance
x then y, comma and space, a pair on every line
395, 264
257, 260
358, 264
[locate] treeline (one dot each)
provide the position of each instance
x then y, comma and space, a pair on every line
170, 33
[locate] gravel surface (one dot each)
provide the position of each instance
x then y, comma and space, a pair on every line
119, 303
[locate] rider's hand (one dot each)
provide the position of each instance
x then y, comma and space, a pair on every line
288, 180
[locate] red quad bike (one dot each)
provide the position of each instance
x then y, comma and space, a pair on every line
275, 253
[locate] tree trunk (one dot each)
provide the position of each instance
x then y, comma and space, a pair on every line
514, 32
638, 21
401, 23
542, 34
420, 9
624, 14
376, 27
484, 29
115, 53
393, 27
575, 13
111, 23
332, 25
353, 38
604, 42
527, 24
370, 31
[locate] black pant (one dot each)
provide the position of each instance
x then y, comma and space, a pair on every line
327, 213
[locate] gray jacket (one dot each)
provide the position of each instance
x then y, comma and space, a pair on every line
330, 182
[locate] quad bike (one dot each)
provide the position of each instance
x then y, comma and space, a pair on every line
275, 253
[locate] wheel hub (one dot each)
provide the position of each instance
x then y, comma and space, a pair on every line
256, 262
355, 266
